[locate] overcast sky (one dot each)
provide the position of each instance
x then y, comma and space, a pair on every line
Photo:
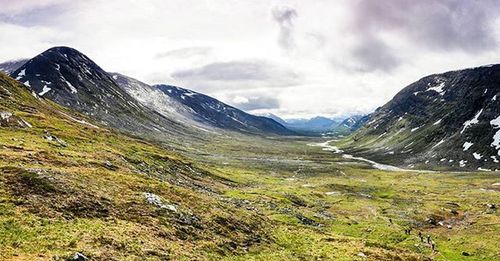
292, 58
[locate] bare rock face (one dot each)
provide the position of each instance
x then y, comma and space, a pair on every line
7, 119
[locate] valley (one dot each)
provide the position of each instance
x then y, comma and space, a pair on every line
101, 194
101, 166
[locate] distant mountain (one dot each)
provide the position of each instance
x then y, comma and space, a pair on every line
449, 120
316, 124
197, 109
69, 78
10, 66
321, 125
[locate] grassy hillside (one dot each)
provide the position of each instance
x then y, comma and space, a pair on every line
68, 186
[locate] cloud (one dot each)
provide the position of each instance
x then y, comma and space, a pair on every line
385, 33
237, 72
255, 103
12, 8
284, 16
435, 24
187, 52
373, 54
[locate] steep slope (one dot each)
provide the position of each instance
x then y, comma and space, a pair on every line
449, 120
213, 112
69, 186
196, 109
10, 66
156, 100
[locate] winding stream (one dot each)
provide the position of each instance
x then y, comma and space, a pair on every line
327, 147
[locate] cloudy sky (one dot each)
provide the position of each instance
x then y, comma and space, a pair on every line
293, 58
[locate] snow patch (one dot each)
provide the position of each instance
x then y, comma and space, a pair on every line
44, 90
21, 74
496, 138
71, 87
439, 143
467, 145
474, 120
477, 155
462, 163
437, 88
437, 122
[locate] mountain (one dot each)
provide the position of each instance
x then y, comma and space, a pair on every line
322, 125
215, 113
69, 78
348, 125
197, 109
10, 66
312, 126
276, 118
448, 120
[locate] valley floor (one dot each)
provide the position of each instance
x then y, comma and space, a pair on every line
244, 199
324, 205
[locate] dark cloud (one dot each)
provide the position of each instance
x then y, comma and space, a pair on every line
440, 25
185, 52
257, 103
237, 71
284, 16
373, 54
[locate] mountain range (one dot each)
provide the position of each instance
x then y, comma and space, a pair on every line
69, 78
321, 125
